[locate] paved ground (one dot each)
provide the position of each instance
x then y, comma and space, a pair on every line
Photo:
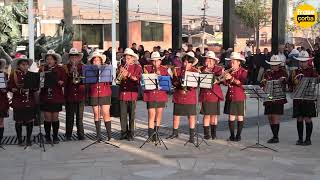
220, 160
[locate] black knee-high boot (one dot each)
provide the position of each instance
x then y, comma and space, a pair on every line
18, 127
213, 131
191, 137
108, 129
175, 134
300, 132
231, 129
309, 127
55, 131
206, 132
1, 134
29, 128
98, 130
239, 130
47, 129
276, 131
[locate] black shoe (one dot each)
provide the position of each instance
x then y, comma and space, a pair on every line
237, 139
174, 134
67, 138
273, 140
48, 140
232, 138
130, 137
21, 142
299, 142
28, 143
55, 140
124, 135
307, 143
81, 138
206, 137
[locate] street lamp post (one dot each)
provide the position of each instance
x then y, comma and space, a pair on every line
31, 29
114, 61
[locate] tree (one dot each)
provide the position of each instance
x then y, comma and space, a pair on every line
253, 14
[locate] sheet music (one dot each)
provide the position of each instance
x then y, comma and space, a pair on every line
150, 81
94, 74
274, 89
255, 91
307, 89
191, 79
3, 83
206, 80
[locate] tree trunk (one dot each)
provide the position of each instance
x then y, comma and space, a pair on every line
258, 37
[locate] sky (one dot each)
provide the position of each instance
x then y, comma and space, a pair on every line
190, 7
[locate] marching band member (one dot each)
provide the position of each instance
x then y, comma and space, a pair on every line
235, 97
52, 98
304, 110
211, 98
129, 76
23, 100
156, 99
184, 98
4, 105
100, 98
74, 94
274, 109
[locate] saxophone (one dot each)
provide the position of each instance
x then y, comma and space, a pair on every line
50, 92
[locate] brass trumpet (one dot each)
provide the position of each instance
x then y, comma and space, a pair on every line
76, 79
222, 77
120, 76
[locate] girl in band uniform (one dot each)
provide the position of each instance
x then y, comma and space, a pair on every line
130, 75
74, 94
211, 98
100, 98
274, 109
52, 98
156, 99
304, 110
4, 105
235, 97
23, 100
184, 98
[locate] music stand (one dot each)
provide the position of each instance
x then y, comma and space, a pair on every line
3, 85
255, 91
98, 74
197, 80
33, 81
155, 82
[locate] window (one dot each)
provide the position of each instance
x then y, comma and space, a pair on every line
151, 31
92, 34
108, 32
